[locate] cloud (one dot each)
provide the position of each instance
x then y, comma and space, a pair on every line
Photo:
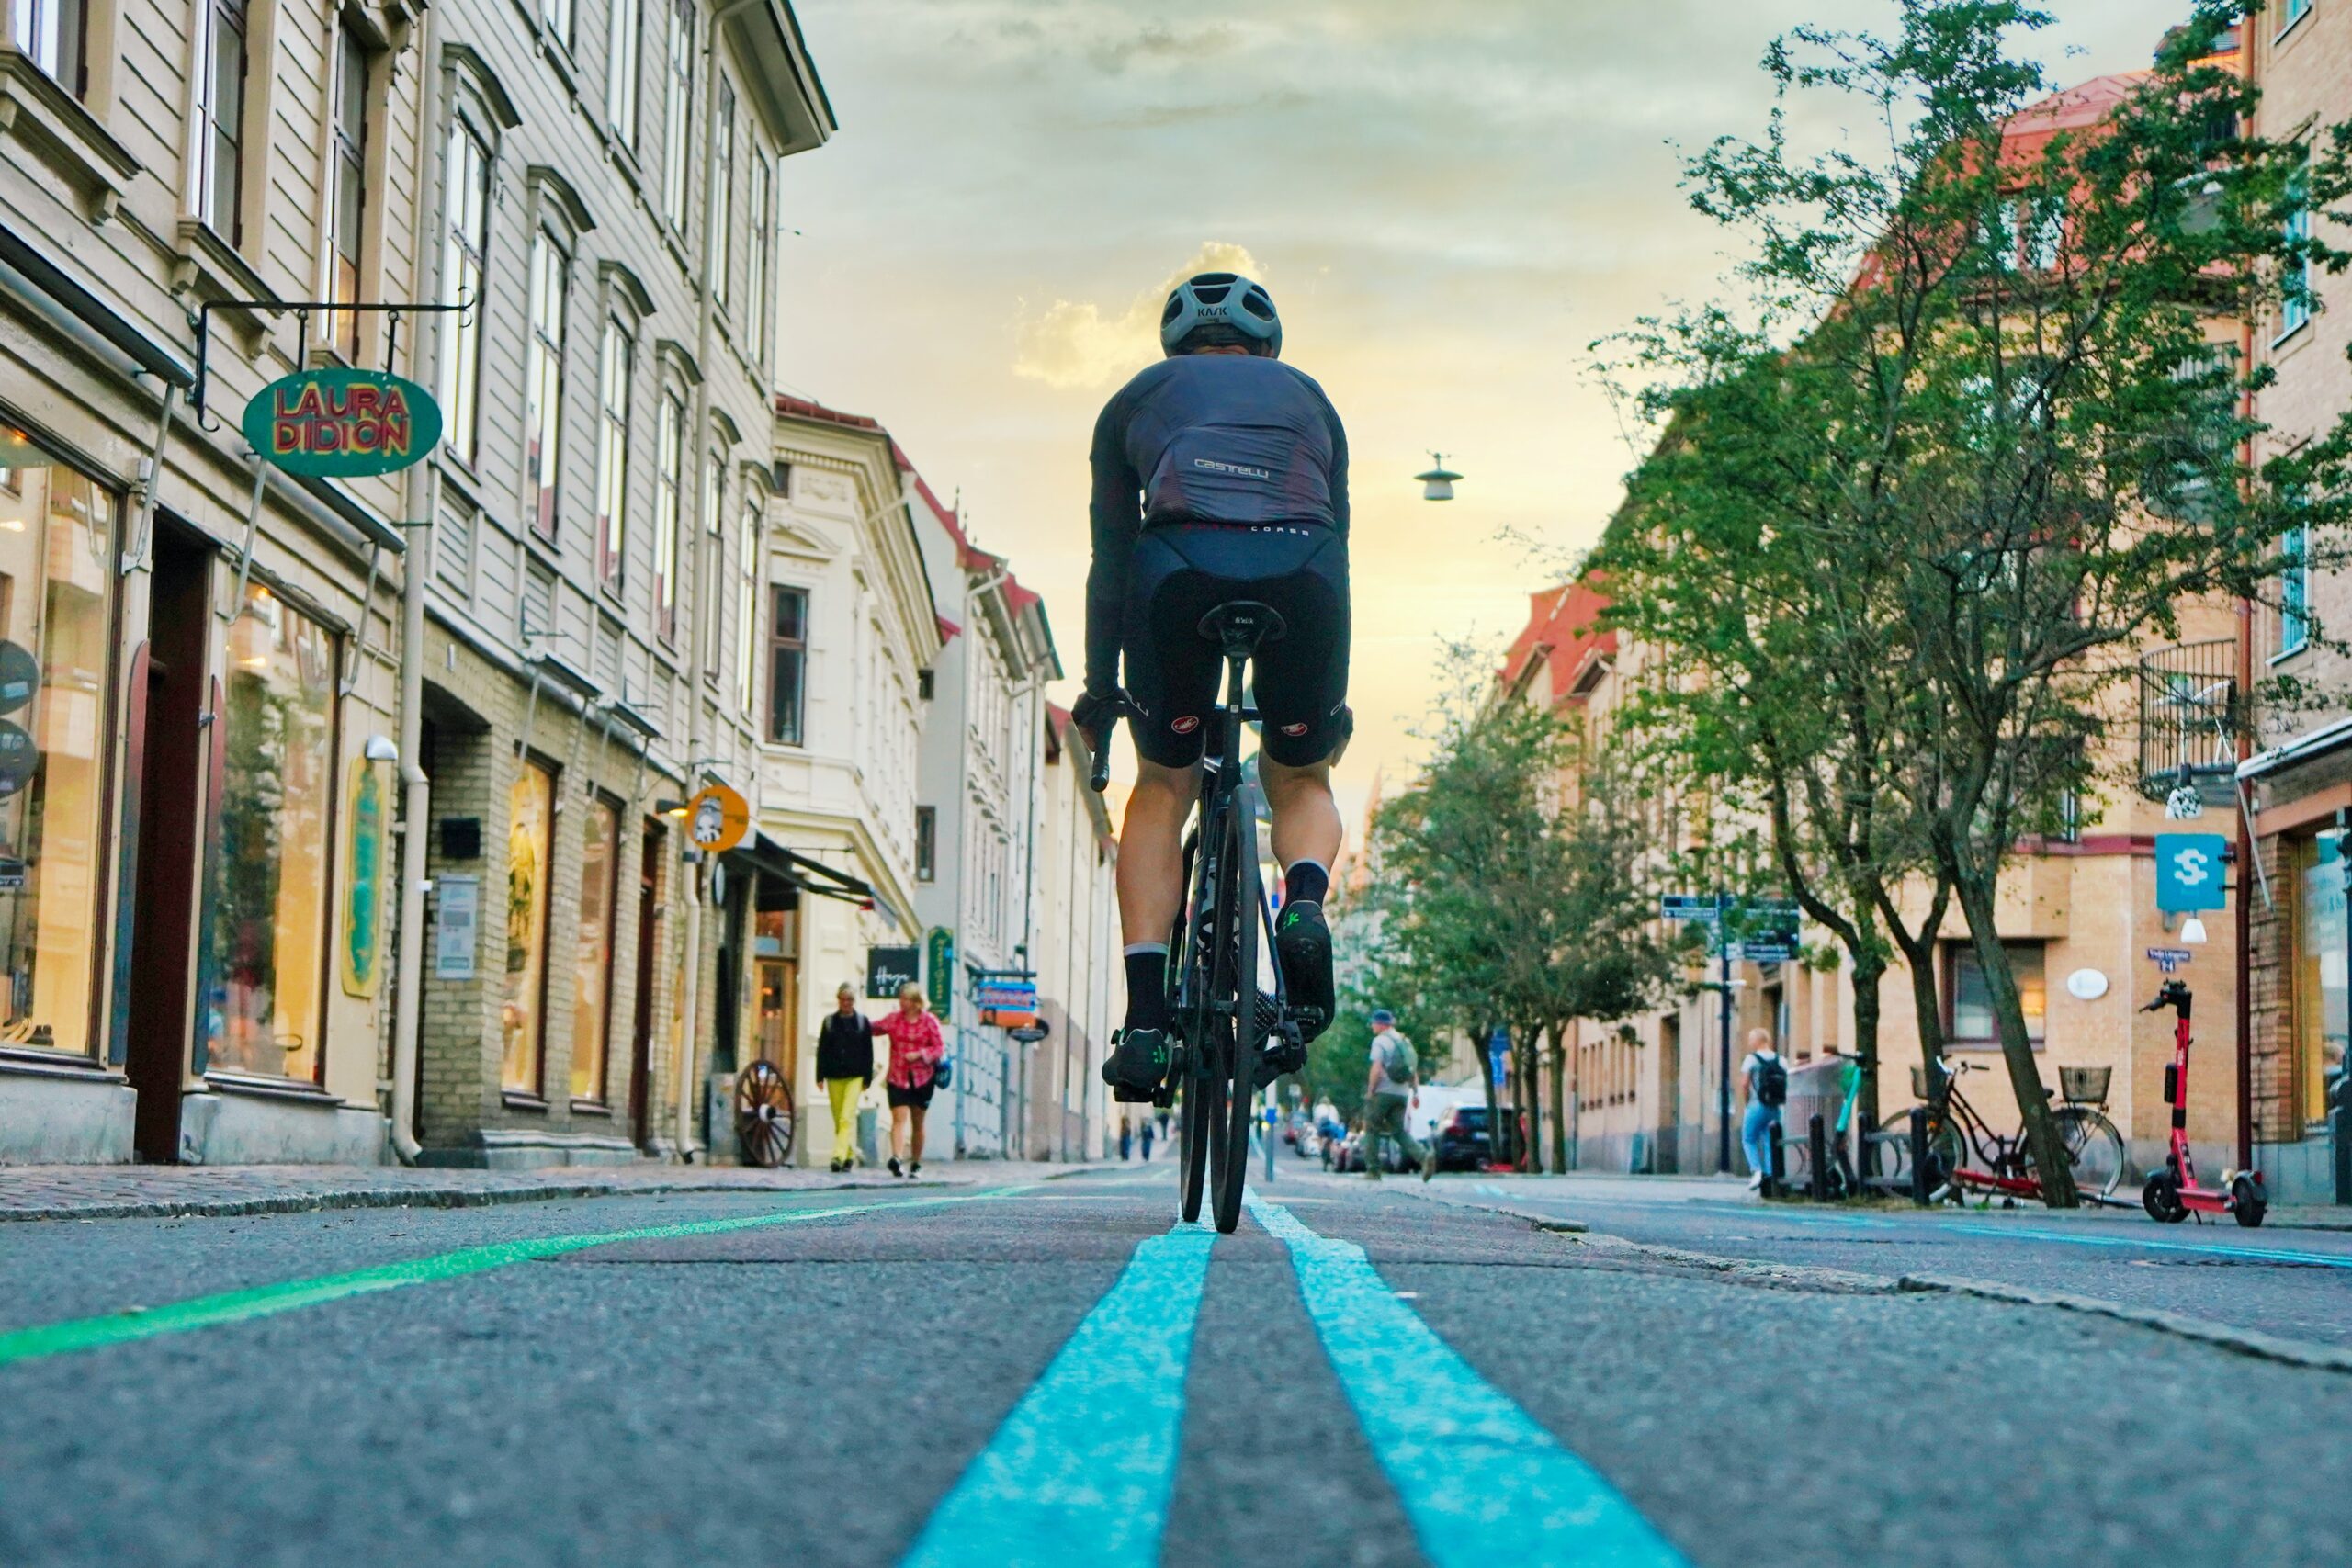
1078, 344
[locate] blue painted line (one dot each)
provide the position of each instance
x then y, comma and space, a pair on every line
1481, 1482
1080, 1475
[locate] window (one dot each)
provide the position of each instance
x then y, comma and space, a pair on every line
2295, 297
2295, 590
787, 664
347, 210
530, 816
2292, 11
761, 227
720, 238
463, 246
591, 985
1970, 1003
707, 564
612, 454
926, 843
2045, 225
269, 889
747, 602
557, 14
677, 112
50, 33
221, 116
56, 608
543, 381
924, 685
670, 457
620, 70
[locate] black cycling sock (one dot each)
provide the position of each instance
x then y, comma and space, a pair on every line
1306, 882
1147, 985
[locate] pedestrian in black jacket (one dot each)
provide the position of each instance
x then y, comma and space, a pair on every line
845, 1066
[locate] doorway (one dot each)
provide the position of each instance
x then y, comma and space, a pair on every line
171, 786
648, 921
1667, 1144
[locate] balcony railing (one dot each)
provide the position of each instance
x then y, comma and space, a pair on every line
2189, 719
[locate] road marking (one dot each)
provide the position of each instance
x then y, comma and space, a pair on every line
266, 1301
1080, 1475
1481, 1481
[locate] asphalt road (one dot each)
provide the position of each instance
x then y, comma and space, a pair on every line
1047, 1375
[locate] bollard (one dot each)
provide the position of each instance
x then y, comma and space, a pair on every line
1920, 1190
2343, 1140
1777, 1161
1865, 1150
1817, 1147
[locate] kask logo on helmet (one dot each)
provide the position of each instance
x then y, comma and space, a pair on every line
1294, 729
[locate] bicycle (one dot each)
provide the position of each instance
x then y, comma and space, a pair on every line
1221, 1022
1957, 1131
1839, 1181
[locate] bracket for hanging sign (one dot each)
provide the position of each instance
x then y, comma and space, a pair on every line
303, 309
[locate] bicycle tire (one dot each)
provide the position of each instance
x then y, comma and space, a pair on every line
1193, 1143
1245, 1037
2096, 1147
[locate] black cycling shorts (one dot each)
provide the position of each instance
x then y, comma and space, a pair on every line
1182, 572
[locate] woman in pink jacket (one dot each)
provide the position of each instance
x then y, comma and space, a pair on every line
916, 1049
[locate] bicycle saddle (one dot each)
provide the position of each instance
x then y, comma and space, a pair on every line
1241, 625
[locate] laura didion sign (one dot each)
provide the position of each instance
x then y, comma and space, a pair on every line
343, 423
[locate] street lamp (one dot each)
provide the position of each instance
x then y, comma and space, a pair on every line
1438, 484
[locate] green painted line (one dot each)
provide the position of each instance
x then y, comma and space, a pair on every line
266, 1301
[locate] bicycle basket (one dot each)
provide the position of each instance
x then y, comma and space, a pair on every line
2085, 1084
1918, 1083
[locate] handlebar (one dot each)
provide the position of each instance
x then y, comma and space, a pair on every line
1097, 777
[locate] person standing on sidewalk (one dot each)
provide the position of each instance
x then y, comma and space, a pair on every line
1146, 1140
916, 1051
845, 1066
1764, 1084
1393, 1088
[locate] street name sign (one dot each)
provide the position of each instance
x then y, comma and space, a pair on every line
2169, 959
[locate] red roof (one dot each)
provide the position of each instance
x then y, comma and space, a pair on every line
1562, 630
802, 408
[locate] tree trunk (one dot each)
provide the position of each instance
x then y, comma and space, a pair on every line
1869, 969
1531, 1098
2051, 1166
1559, 1100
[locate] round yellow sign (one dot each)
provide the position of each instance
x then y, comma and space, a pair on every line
718, 818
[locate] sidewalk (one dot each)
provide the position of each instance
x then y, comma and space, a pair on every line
123, 1192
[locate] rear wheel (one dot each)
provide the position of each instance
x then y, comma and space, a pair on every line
2248, 1201
1188, 984
1245, 1039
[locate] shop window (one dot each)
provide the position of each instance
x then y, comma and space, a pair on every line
787, 664
2322, 1021
49, 34
269, 893
1968, 1004
56, 545
591, 1006
530, 822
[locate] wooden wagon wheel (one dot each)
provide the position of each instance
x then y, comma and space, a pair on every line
762, 1115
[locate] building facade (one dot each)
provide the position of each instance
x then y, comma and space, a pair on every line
1081, 979
979, 799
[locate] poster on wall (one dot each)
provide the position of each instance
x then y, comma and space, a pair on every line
457, 927
363, 910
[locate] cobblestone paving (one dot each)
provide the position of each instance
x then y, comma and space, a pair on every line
116, 1192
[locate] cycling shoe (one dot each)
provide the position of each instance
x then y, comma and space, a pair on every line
1285, 1052
1138, 1064
1303, 945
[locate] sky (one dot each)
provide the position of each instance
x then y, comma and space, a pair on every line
1449, 203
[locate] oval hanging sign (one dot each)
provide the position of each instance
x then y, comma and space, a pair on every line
343, 423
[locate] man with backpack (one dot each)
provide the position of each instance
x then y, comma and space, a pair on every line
1393, 1088
1765, 1084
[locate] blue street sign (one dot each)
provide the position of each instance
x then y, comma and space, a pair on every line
1499, 1057
2190, 872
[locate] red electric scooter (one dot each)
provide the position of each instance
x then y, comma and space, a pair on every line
2172, 1194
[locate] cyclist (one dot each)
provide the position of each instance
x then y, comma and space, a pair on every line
1219, 474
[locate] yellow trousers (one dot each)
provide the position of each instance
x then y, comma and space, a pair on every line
842, 1093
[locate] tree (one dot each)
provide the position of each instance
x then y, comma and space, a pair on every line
1983, 377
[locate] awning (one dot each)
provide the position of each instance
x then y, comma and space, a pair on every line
2302, 749
764, 855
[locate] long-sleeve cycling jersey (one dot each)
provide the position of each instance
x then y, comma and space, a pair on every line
1205, 438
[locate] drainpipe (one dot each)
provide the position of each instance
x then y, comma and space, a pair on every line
416, 789
706, 326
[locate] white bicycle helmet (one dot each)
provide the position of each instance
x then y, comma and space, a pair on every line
1224, 300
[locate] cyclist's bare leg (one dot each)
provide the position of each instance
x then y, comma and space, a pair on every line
1307, 818
1151, 850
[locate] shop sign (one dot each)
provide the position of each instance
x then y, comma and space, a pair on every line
2188, 872
888, 968
1009, 1004
716, 820
457, 927
341, 424
939, 964
363, 909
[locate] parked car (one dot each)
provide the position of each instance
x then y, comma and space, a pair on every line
1348, 1155
1463, 1141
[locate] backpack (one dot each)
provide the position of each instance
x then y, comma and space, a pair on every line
1772, 1082
1399, 1063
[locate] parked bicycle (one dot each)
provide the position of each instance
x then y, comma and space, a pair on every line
1841, 1180
1969, 1155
